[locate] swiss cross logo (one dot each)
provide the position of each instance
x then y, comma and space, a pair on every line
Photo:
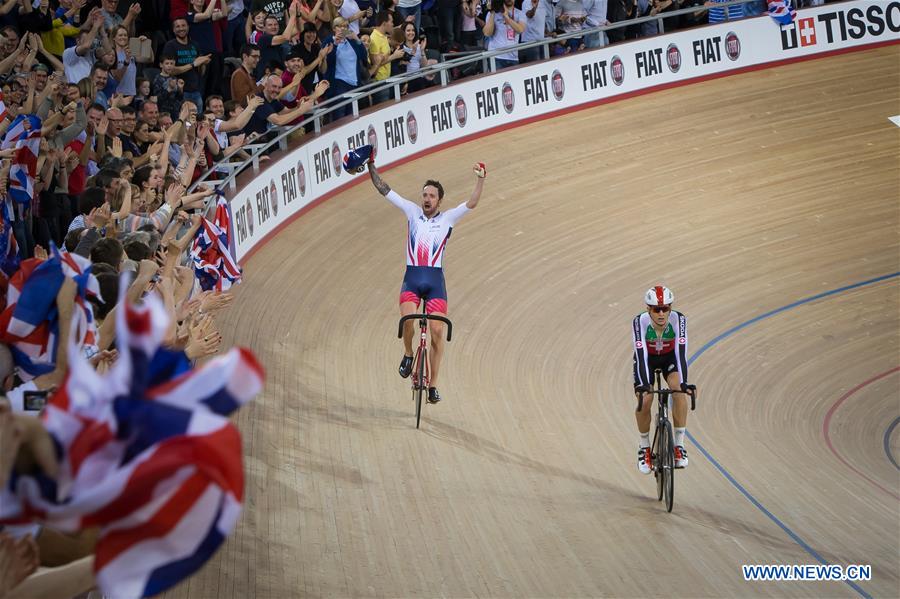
807, 29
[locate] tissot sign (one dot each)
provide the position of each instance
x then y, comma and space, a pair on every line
400, 130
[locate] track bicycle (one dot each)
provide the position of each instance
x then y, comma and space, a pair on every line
421, 373
662, 453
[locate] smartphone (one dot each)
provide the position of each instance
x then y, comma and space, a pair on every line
34, 401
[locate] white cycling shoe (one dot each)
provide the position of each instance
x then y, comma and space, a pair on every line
644, 460
681, 459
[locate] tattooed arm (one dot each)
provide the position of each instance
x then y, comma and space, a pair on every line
382, 187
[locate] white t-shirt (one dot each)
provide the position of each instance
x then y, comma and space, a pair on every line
505, 36
77, 67
348, 9
534, 27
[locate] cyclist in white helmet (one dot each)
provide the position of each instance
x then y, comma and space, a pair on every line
660, 342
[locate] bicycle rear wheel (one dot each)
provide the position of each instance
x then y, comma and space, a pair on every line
668, 467
419, 387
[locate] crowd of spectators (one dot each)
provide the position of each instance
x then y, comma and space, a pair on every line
176, 85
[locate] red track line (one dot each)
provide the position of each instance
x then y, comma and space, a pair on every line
827, 423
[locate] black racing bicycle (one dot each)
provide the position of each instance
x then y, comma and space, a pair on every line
662, 453
421, 373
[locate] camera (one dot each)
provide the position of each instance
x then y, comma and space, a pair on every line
34, 401
497, 6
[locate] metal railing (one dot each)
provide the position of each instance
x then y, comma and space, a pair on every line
442, 72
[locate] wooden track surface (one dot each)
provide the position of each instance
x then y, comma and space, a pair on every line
743, 195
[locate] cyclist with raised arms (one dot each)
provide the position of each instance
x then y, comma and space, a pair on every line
660, 342
428, 232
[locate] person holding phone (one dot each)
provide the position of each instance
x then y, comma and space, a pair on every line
346, 67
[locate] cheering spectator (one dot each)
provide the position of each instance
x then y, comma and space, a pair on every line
411, 9
272, 113
346, 66
78, 59
243, 83
270, 41
596, 17
535, 20
503, 25
472, 24
188, 61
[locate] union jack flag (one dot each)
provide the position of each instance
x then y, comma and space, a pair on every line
3, 112
214, 266
25, 135
147, 455
782, 11
30, 322
9, 249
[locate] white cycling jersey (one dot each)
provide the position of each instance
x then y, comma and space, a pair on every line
427, 237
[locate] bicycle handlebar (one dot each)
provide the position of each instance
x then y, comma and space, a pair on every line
689, 389
429, 317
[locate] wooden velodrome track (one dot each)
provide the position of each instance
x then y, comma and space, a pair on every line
743, 194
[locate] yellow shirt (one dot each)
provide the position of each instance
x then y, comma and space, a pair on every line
378, 44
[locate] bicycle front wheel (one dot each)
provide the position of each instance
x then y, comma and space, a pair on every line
656, 456
668, 467
420, 386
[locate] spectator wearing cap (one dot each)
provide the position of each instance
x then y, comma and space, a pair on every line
188, 61
272, 113
346, 67
295, 70
77, 60
242, 82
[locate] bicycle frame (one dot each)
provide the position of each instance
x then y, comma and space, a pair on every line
663, 458
421, 375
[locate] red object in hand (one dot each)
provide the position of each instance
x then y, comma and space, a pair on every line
480, 170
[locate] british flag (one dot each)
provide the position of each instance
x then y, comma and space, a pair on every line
148, 455
30, 322
9, 248
3, 112
782, 11
214, 266
24, 135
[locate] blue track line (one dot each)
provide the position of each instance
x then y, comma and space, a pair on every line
887, 442
806, 547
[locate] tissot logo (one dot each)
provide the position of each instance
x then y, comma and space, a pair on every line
842, 25
673, 58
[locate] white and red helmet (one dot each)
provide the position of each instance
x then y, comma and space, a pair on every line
659, 296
